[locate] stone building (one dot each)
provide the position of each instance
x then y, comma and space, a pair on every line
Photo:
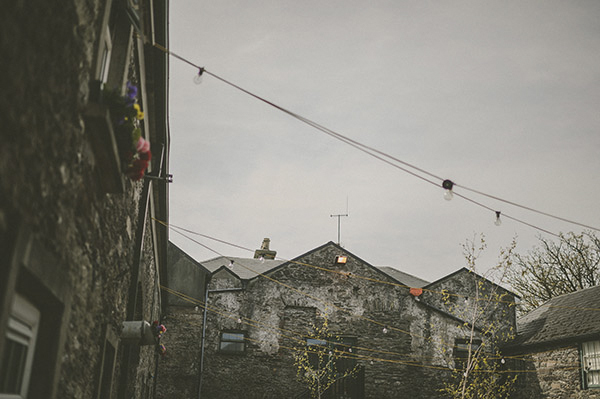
80, 251
391, 328
559, 343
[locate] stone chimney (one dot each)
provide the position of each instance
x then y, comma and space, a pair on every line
264, 251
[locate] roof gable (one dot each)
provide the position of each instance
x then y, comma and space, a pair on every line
464, 270
340, 251
243, 268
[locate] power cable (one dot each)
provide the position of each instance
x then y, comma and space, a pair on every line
372, 151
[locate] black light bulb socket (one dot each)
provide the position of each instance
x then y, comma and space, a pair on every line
497, 214
447, 184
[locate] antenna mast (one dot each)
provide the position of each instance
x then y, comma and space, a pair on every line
339, 216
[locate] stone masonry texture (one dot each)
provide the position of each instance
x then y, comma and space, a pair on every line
276, 318
48, 185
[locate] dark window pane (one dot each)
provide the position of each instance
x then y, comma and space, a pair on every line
232, 337
13, 363
232, 346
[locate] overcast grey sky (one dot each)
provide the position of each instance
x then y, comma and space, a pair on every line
501, 96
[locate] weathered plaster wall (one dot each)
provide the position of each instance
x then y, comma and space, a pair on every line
275, 318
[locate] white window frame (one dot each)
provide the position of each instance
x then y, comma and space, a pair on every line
590, 363
22, 328
236, 338
105, 51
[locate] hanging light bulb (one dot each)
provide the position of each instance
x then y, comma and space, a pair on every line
447, 185
502, 361
230, 264
498, 221
198, 77
262, 259
385, 330
239, 320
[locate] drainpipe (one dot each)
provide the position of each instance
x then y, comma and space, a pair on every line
201, 376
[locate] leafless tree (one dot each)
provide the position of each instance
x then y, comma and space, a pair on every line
557, 267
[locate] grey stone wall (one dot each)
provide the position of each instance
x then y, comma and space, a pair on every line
178, 374
552, 374
475, 292
412, 359
48, 186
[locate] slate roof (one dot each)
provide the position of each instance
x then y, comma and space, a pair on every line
244, 268
404, 278
570, 317
248, 268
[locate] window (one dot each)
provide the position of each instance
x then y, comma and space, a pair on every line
461, 351
316, 349
341, 348
104, 47
21, 336
348, 361
590, 358
232, 342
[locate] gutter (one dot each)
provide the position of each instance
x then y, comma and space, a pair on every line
203, 344
201, 372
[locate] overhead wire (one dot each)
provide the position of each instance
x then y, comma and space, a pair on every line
425, 338
373, 152
358, 276
278, 330
350, 355
329, 304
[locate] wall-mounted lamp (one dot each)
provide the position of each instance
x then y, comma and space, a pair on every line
340, 259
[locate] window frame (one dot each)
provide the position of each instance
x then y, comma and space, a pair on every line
241, 341
341, 343
589, 349
23, 325
460, 362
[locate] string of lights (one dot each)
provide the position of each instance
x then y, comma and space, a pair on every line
386, 327
278, 330
413, 359
380, 155
357, 276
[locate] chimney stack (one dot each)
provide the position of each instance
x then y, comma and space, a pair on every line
264, 251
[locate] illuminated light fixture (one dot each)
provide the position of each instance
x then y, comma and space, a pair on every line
498, 221
447, 185
239, 320
385, 330
198, 77
341, 259
230, 264
502, 361
262, 259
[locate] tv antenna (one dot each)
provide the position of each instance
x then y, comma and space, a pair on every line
339, 216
